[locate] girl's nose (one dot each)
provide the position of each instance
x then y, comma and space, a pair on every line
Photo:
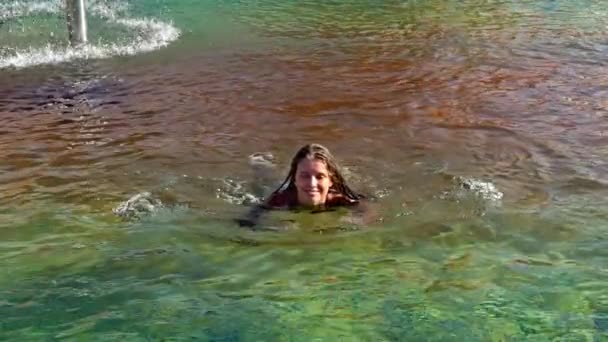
313, 181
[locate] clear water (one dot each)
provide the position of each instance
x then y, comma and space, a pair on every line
479, 125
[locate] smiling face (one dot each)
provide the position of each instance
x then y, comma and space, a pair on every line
313, 181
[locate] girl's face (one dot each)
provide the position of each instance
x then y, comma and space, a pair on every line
313, 181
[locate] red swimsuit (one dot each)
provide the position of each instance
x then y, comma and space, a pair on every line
289, 199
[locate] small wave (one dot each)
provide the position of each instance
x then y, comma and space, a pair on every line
153, 35
138, 206
486, 190
147, 204
466, 186
234, 192
265, 177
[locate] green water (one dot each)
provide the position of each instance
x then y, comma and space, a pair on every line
410, 95
67, 276
179, 276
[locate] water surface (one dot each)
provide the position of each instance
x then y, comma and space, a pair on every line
413, 97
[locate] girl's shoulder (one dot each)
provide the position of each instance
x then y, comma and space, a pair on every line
288, 199
338, 199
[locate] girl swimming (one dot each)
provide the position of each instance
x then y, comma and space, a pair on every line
314, 181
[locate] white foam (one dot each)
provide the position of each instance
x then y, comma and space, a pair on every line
106, 11
153, 35
484, 189
137, 206
234, 192
20, 9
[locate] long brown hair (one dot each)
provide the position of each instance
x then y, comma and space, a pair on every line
322, 153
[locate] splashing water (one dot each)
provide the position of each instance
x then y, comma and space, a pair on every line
137, 206
151, 35
20, 9
483, 189
233, 191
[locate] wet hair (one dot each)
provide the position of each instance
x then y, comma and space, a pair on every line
322, 153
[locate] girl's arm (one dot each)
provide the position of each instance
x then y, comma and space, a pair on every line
251, 219
364, 214
276, 200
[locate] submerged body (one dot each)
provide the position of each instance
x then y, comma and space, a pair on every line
289, 200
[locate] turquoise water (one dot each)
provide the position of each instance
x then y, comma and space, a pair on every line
478, 126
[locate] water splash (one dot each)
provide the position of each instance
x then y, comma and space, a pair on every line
151, 35
265, 177
467, 187
234, 192
483, 189
21, 9
137, 206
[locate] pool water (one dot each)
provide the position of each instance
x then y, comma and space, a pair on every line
478, 127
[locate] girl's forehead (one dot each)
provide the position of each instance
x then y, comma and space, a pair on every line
312, 164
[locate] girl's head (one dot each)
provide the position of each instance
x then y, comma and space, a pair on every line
313, 175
